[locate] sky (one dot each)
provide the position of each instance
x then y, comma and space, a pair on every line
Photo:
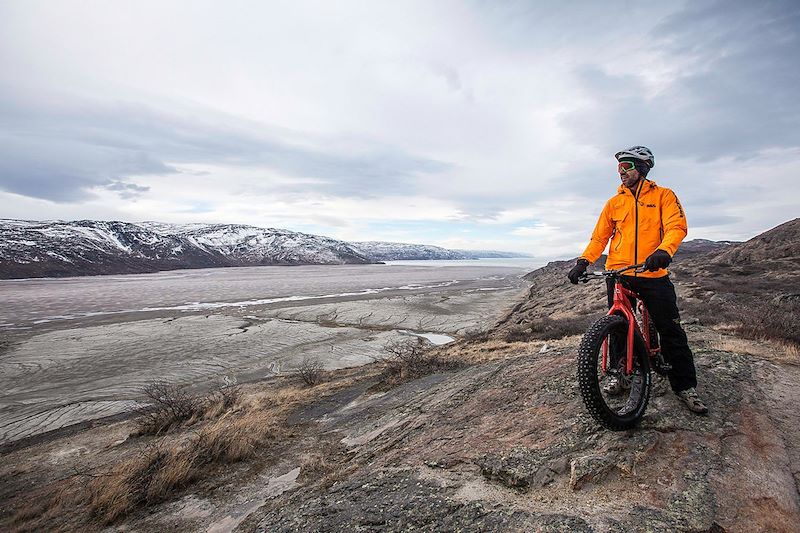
474, 124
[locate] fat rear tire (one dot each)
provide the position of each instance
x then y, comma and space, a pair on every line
589, 375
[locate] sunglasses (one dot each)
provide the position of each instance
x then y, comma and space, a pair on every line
625, 166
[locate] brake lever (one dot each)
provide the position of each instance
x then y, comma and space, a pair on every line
587, 276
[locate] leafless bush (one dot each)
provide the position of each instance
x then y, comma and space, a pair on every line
761, 320
751, 317
411, 359
171, 405
310, 371
160, 469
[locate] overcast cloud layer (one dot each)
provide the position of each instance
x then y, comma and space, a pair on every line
462, 124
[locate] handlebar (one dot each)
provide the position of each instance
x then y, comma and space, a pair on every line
610, 273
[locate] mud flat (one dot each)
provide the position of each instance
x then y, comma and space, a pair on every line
73, 359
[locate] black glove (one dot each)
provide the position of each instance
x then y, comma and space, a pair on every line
577, 270
657, 260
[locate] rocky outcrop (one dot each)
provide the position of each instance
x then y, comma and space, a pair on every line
780, 243
508, 446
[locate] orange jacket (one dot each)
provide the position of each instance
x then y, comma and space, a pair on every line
637, 226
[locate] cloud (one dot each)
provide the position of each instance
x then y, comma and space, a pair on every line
730, 88
356, 118
60, 153
126, 191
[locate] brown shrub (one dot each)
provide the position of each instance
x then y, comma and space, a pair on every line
519, 333
310, 371
412, 359
763, 320
171, 405
751, 317
548, 328
161, 469
42, 506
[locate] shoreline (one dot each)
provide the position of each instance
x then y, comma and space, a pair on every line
74, 372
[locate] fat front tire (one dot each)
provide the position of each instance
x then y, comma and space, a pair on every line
614, 414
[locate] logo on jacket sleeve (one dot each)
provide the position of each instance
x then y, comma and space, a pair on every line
680, 207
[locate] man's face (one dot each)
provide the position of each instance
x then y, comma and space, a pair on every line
629, 177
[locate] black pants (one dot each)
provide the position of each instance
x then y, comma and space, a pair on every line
658, 295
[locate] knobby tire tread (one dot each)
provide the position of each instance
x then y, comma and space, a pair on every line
589, 353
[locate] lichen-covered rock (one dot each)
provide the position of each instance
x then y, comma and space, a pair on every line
588, 469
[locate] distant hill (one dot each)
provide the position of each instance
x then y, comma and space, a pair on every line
394, 251
780, 243
30, 249
755, 284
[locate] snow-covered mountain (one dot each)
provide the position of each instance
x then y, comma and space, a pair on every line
88, 247
395, 251
250, 245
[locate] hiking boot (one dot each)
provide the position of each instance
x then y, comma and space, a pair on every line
692, 401
612, 386
635, 396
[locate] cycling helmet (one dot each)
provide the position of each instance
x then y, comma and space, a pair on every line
642, 153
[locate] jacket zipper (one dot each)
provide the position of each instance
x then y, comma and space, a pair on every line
636, 225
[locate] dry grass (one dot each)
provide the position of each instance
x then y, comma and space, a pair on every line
326, 466
171, 405
164, 468
137, 480
777, 351
490, 350
43, 506
230, 428
249, 424
412, 359
220, 401
548, 328
751, 317
315, 466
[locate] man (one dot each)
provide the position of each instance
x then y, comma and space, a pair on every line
646, 222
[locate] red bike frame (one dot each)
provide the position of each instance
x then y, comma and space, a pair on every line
622, 306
